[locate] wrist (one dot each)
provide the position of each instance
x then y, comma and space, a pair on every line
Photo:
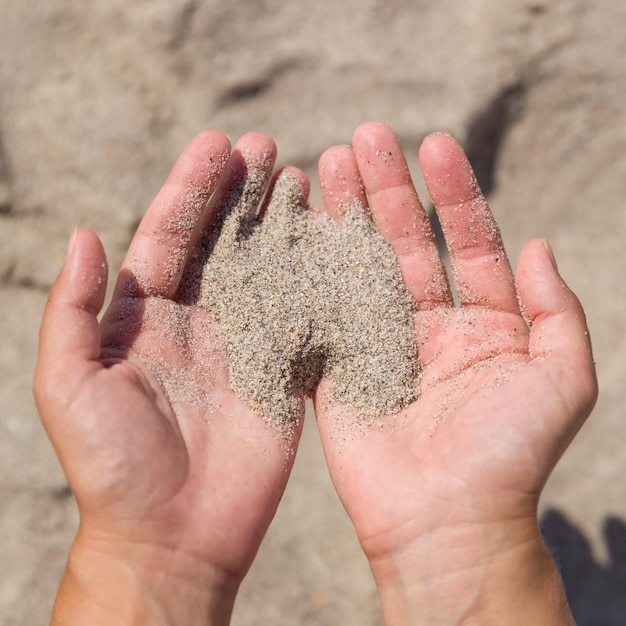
141, 584
500, 575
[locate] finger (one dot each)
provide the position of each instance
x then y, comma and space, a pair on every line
399, 214
482, 272
559, 337
246, 180
233, 209
340, 181
69, 333
159, 250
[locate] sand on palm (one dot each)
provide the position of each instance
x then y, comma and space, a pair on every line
301, 296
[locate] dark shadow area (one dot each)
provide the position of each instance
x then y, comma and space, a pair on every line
488, 130
596, 592
247, 90
5, 182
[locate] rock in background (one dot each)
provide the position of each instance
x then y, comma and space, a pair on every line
98, 99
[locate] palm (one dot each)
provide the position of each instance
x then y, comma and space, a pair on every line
478, 432
194, 437
152, 438
450, 445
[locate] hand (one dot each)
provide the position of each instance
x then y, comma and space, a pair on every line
176, 480
444, 494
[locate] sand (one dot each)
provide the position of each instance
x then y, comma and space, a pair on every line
301, 296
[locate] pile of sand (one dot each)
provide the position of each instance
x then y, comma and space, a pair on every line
301, 296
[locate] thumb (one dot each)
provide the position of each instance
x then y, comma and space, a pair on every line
559, 336
69, 337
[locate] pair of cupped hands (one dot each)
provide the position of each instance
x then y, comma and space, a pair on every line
175, 498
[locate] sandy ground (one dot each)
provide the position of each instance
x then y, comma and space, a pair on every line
96, 101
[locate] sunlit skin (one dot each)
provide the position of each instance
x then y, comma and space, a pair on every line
171, 494
176, 484
451, 485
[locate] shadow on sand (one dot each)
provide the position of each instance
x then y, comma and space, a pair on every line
596, 592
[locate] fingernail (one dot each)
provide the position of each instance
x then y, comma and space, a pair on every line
71, 245
550, 253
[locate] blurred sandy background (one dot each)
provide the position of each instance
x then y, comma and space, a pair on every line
98, 98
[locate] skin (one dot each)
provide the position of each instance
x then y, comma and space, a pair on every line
444, 497
174, 495
176, 484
